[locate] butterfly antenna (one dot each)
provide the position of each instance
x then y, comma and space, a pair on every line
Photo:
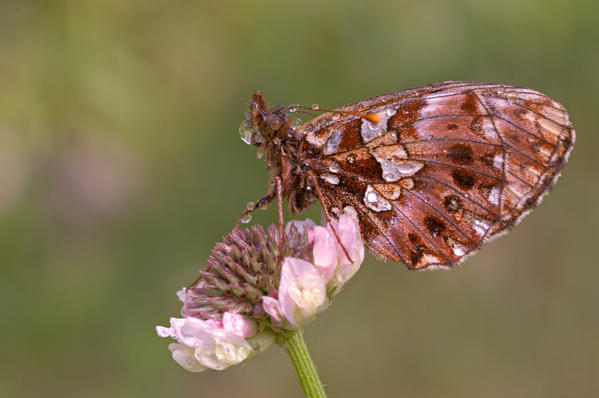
371, 117
306, 113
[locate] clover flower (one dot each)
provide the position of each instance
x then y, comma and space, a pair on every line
250, 293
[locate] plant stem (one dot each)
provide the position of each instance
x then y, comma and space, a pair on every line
294, 344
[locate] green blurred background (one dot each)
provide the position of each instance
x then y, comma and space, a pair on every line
121, 166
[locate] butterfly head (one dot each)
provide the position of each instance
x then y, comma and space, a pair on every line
262, 125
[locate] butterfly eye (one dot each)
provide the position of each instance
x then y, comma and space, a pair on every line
275, 121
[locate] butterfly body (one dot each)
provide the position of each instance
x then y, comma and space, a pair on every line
443, 169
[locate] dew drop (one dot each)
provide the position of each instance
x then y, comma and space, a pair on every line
334, 167
372, 197
480, 226
246, 218
370, 130
333, 143
374, 201
246, 131
409, 168
296, 122
498, 161
459, 250
293, 108
331, 178
372, 126
315, 107
393, 170
495, 196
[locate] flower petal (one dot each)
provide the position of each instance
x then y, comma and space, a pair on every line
164, 332
229, 353
300, 226
181, 294
214, 323
302, 291
325, 252
348, 229
239, 324
272, 308
194, 333
183, 355
207, 357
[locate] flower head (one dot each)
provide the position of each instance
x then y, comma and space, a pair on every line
250, 291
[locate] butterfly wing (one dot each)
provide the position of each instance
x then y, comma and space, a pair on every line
447, 167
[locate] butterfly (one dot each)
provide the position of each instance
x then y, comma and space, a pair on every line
432, 172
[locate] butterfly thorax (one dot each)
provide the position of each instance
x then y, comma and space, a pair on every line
277, 140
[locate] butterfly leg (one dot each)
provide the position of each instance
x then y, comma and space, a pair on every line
326, 214
264, 201
280, 210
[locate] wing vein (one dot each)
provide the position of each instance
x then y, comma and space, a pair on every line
460, 193
367, 214
521, 128
442, 214
420, 231
505, 157
459, 167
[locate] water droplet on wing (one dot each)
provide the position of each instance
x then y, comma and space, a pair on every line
334, 167
374, 201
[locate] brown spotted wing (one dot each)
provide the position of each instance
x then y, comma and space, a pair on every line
432, 172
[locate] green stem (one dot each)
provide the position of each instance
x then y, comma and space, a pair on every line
294, 344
